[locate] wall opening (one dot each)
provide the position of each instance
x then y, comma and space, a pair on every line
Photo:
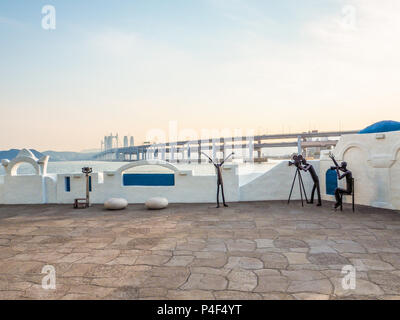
25, 169
67, 183
148, 179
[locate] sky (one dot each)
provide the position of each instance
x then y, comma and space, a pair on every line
202, 67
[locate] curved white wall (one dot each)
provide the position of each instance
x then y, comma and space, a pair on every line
374, 161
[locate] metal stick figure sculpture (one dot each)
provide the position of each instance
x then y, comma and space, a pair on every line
308, 167
348, 175
220, 182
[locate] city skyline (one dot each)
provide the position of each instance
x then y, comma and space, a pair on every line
133, 68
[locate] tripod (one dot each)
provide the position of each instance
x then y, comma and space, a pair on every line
301, 187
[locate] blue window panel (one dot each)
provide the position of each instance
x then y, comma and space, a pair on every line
90, 183
331, 181
143, 179
67, 184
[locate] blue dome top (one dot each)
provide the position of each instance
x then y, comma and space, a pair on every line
382, 126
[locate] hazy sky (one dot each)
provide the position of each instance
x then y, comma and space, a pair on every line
133, 66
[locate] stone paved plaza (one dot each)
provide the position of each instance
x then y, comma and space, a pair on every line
259, 250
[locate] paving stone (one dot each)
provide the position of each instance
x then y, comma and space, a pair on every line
190, 295
314, 286
100, 256
388, 282
392, 258
311, 296
180, 261
207, 270
274, 261
370, 264
165, 277
242, 280
241, 245
210, 262
277, 296
264, 243
327, 259
124, 260
289, 243
152, 292
124, 293
236, 295
218, 246
296, 258
267, 272
272, 284
363, 288
303, 275
244, 263
205, 282
322, 249
342, 246
152, 260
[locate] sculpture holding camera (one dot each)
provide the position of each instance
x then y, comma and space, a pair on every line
346, 174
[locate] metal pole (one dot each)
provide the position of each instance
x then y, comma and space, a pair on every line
301, 191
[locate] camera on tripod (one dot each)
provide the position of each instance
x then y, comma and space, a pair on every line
296, 160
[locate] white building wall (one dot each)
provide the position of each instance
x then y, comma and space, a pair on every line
26, 189
187, 189
374, 161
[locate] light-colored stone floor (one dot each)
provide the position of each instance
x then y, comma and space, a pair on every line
260, 250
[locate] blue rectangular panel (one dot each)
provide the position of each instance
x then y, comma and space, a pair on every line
67, 184
151, 179
331, 182
90, 183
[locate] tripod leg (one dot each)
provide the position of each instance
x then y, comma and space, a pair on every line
301, 191
302, 184
291, 189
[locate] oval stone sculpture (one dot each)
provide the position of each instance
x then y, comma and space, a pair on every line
116, 204
156, 203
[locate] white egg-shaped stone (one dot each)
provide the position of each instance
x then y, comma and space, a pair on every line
156, 203
116, 204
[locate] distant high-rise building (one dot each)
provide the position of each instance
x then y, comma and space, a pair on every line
131, 144
125, 141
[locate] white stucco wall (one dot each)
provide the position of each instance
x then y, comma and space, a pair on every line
374, 161
275, 184
188, 188
22, 189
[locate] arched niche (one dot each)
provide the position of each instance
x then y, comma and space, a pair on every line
137, 164
148, 179
13, 166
